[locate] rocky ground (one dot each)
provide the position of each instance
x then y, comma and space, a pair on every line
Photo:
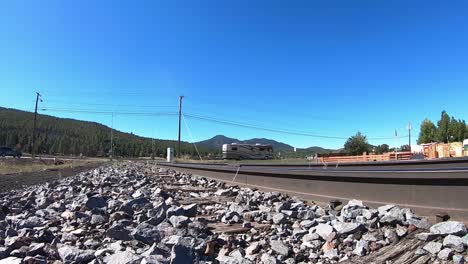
138, 213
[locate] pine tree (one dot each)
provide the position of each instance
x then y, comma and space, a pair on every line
443, 127
427, 132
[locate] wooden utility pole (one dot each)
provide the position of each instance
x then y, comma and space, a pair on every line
112, 138
410, 127
180, 117
38, 95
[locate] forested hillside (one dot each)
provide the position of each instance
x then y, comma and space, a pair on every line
63, 136
69, 136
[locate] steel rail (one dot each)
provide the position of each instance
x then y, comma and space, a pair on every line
427, 188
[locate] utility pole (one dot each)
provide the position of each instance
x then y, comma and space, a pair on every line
153, 154
180, 117
38, 96
112, 138
410, 127
396, 145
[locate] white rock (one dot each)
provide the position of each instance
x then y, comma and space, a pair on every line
425, 236
70, 254
458, 259
385, 208
347, 228
332, 254
323, 230
122, 257
11, 260
310, 237
103, 252
279, 247
253, 248
401, 230
433, 247
279, 218
362, 246
465, 240
369, 237
315, 244
268, 259
449, 227
445, 254
454, 242
355, 204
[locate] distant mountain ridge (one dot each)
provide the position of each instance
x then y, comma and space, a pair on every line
218, 141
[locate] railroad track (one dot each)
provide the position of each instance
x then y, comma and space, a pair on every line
429, 188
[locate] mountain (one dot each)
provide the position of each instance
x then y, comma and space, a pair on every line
69, 136
216, 142
276, 145
319, 150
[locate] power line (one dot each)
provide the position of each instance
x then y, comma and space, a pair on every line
56, 93
190, 134
114, 105
264, 121
282, 131
208, 119
91, 111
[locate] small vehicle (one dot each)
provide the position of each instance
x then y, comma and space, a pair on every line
247, 151
5, 151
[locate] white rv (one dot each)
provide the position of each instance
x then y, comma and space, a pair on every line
247, 151
465, 147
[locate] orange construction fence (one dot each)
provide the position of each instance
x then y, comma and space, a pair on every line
367, 157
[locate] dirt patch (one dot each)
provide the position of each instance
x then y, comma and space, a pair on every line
17, 180
12, 165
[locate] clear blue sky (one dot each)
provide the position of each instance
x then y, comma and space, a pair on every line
323, 67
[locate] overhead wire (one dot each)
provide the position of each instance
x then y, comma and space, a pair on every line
282, 131
293, 132
190, 134
207, 119
112, 105
92, 111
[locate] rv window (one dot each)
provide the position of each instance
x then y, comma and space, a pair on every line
262, 149
234, 148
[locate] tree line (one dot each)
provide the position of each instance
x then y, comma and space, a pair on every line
62, 136
448, 129
358, 144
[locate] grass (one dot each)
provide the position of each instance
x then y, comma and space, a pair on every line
10, 166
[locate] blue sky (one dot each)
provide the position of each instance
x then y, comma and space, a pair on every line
322, 67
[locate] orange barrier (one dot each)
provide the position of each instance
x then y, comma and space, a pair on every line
365, 158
